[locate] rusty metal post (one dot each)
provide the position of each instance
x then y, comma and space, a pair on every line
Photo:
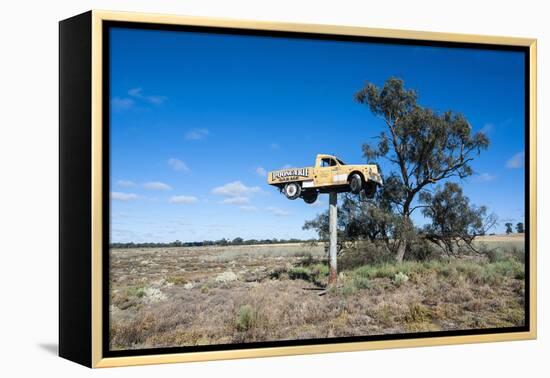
332, 216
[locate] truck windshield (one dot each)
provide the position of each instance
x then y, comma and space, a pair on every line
341, 162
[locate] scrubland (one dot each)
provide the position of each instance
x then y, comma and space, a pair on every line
219, 295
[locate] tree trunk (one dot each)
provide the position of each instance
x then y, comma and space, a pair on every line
401, 252
404, 246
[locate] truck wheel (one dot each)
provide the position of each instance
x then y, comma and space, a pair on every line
355, 183
292, 190
310, 197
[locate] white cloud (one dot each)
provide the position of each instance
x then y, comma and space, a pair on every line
125, 183
135, 92
157, 185
248, 208
197, 134
260, 171
278, 212
484, 177
120, 196
138, 93
487, 128
516, 161
122, 103
183, 199
274, 146
178, 165
235, 189
157, 100
236, 201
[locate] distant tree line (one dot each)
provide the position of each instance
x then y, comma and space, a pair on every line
520, 229
205, 243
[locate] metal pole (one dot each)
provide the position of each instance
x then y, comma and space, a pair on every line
333, 214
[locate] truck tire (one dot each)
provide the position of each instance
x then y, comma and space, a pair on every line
292, 190
310, 197
355, 183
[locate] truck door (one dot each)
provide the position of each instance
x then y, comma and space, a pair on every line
327, 169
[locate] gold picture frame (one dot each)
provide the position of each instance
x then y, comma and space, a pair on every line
89, 329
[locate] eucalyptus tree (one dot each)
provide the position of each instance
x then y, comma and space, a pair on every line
423, 147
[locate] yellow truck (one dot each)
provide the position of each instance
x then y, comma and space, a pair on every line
329, 174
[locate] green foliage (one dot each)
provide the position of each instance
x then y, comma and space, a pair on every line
454, 222
421, 249
299, 273
425, 146
417, 313
509, 229
349, 289
313, 273
135, 291
364, 253
400, 278
361, 282
520, 228
246, 318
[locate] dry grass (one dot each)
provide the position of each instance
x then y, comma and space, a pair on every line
219, 295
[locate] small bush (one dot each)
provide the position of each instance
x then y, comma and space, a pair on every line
364, 253
299, 273
388, 270
246, 318
417, 313
361, 283
277, 273
421, 250
349, 289
177, 280
400, 278
493, 255
135, 291
307, 259
509, 268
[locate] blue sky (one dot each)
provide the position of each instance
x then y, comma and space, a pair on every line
197, 119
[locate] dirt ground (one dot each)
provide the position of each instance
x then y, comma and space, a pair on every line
162, 297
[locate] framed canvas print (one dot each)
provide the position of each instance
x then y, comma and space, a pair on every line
234, 189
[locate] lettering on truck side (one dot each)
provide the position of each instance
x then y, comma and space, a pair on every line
286, 174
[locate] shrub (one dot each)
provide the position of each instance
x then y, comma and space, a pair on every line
417, 313
247, 318
349, 289
277, 273
361, 282
474, 272
135, 291
299, 273
493, 255
364, 253
509, 268
400, 278
421, 250
320, 270
177, 280
307, 259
